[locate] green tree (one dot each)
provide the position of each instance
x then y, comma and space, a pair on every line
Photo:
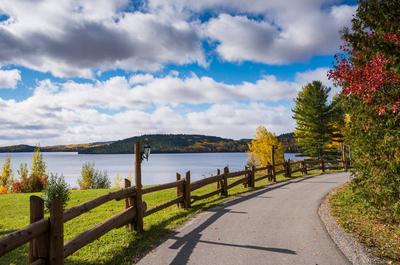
260, 148
369, 73
6, 177
37, 177
313, 115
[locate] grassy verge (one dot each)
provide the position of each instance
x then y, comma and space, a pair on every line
354, 217
118, 246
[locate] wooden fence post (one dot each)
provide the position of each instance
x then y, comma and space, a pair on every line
269, 172
346, 165
273, 163
224, 189
179, 191
288, 169
129, 203
247, 183
186, 191
322, 165
304, 167
218, 182
252, 177
37, 246
56, 236
138, 184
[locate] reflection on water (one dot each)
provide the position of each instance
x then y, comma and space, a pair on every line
160, 168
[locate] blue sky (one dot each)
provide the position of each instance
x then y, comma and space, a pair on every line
76, 71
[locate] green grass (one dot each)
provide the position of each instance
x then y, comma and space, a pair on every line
119, 246
353, 215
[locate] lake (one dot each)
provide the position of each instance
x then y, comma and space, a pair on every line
160, 168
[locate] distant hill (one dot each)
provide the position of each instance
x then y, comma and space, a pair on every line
17, 148
55, 148
160, 143
172, 143
289, 141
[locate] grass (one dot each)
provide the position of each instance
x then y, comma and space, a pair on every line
366, 225
119, 246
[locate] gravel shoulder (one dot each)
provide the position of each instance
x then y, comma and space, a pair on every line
355, 252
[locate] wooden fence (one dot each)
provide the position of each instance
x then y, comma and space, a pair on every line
46, 235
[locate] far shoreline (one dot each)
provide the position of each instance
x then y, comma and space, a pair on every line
123, 153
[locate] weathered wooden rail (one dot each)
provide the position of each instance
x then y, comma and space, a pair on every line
46, 235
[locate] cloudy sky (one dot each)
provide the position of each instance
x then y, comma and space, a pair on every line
75, 71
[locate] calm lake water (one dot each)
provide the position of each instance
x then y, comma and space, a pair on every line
160, 168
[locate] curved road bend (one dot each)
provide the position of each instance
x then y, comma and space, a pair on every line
278, 225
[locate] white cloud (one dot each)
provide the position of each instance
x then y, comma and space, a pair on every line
317, 74
141, 79
285, 35
197, 90
9, 78
74, 38
117, 108
80, 38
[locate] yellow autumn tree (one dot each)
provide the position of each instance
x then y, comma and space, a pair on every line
6, 173
260, 148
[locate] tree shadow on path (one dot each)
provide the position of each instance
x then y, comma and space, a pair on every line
188, 242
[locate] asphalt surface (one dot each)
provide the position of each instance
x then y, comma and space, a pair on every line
277, 225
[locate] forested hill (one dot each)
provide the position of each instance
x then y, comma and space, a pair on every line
172, 143
160, 143
289, 141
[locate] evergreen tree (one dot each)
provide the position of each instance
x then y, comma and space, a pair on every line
313, 116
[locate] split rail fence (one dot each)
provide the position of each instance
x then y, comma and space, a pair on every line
46, 235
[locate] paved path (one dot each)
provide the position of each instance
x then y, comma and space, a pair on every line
278, 225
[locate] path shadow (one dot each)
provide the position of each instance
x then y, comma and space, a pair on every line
187, 243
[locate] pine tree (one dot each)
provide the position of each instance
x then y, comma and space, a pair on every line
313, 116
260, 148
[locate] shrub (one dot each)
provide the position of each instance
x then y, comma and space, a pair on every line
118, 181
92, 178
56, 188
24, 179
37, 178
102, 181
6, 177
3, 189
17, 187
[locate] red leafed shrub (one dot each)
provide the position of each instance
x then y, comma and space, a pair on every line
17, 187
368, 81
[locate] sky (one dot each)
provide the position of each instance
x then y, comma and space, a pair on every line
78, 71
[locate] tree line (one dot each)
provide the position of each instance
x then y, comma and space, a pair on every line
362, 122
